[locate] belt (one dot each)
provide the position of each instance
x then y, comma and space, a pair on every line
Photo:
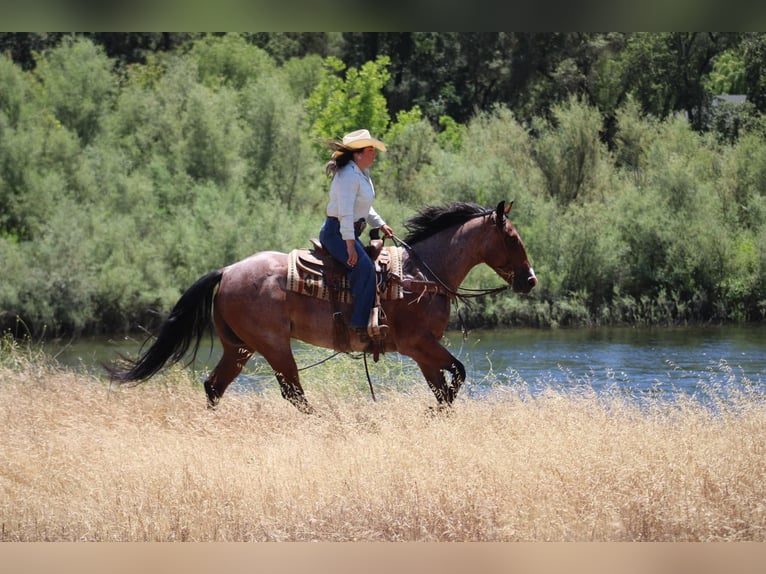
359, 224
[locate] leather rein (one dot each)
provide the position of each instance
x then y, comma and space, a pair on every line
461, 293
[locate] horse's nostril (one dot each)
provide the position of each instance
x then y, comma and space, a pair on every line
532, 280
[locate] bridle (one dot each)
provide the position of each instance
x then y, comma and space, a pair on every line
462, 293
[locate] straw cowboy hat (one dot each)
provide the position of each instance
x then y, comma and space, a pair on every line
359, 139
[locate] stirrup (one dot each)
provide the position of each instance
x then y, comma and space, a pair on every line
375, 330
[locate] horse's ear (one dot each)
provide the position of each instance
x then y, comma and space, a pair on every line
501, 212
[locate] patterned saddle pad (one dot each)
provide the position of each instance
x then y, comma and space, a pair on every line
316, 274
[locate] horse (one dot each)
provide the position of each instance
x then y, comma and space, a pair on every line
253, 310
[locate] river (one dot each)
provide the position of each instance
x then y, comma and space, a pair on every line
640, 362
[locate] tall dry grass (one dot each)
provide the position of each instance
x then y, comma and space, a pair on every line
80, 461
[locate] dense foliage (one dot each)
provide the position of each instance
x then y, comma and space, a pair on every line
124, 178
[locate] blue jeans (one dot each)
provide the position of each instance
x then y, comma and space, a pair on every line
361, 276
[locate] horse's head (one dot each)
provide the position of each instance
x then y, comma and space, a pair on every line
508, 257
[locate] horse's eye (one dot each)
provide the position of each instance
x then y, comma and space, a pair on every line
513, 241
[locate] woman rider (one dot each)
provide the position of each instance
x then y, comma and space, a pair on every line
349, 210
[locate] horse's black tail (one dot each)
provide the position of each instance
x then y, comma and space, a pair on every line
186, 325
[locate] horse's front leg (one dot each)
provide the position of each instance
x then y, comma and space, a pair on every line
286, 371
292, 391
434, 360
444, 390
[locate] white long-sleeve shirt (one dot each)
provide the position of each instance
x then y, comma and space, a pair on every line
351, 197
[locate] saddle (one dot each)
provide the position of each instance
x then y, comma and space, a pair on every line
316, 273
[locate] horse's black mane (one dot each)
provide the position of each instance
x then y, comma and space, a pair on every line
435, 218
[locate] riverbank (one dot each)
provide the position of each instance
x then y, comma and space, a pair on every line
82, 461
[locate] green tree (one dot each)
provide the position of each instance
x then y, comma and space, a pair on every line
13, 94
423, 68
339, 105
229, 60
275, 144
494, 163
212, 136
569, 150
666, 72
138, 47
633, 138
284, 46
411, 145
21, 47
76, 84
754, 56
728, 73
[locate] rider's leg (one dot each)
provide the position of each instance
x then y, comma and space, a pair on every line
361, 277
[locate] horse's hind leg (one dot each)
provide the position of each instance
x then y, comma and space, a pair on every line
229, 366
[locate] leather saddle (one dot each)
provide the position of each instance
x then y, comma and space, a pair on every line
317, 273
319, 261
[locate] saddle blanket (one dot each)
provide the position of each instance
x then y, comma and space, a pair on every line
308, 276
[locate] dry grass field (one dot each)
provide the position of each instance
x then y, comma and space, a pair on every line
80, 461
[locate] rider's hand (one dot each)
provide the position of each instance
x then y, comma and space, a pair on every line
351, 250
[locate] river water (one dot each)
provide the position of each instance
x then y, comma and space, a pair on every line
643, 362
640, 362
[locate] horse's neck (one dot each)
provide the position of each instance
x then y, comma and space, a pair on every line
449, 255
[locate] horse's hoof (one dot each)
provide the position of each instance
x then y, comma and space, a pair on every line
212, 398
306, 409
440, 410
212, 402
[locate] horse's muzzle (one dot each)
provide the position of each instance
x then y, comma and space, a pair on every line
524, 282
532, 278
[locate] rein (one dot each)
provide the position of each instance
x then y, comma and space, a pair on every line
366, 368
461, 293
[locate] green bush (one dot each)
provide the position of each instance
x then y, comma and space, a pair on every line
635, 132
278, 156
14, 92
411, 143
570, 153
76, 85
229, 60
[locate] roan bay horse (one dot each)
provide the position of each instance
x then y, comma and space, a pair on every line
254, 311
